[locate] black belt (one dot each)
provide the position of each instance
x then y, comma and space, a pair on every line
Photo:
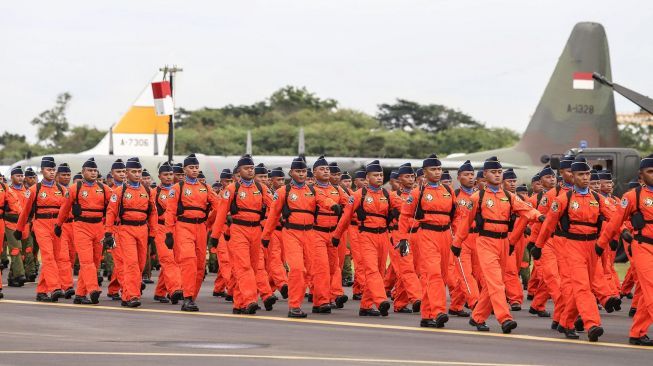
161, 221
298, 227
325, 229
68, 221
89, 220
644, 239
374, 230
278, 228
245, 223
426, 226
579, 237
11, 218
46, 215
493, 234
413, 230
191, 221
353, 223
393, 227
473, 230
133, 222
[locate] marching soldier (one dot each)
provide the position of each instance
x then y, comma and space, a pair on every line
86, 203
491, 209
131, 220
66, 254
297, 202
18, 249
8, 203
113, 262
274, 252
188, 207
374, 208
42, 207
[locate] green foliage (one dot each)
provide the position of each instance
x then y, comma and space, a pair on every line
405, 114
637, 136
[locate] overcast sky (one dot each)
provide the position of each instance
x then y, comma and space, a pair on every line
491, 59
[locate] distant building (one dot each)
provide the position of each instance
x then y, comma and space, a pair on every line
641, 118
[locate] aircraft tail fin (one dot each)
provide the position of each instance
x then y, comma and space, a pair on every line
575, 110
140, 132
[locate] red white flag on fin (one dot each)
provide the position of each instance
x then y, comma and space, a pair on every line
162, 98
583, 80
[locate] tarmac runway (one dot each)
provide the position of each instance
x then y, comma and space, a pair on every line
159, 334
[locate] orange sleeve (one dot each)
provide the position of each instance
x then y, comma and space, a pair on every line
171, 208
352, 204
64, 210
462, 231
221, 211
407, 213
552, 218
112, 210
27, 208
623, 211
274, 213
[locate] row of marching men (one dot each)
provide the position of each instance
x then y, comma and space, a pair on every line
419, 227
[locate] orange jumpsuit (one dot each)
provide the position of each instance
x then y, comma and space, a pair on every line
11, 218
325, 223
408, 288
642, 252
187, 222
274, 260
132, 218
8, 200
50, 198
583, 210
468, 267
247, 204
434, 241
536, 286
299, 247
492, 245
373, 238
170, 275
608, 260
88, 230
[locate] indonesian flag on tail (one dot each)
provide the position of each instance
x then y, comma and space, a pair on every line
162, 98
583, 80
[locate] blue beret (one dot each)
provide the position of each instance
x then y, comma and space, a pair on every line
29, 172
536, 178
546, 171
321, 161
419, 172
199, 175
580, 165
277, 172
373, 167
177, 169
594, 175
260, 169
334, 168
17, 170
492, 163
466, 167
509, 174
309, 173
133, 163
226, 174
191, 160
48, 162
147, 174
63, 168
431, 160
298, 163
522, 188
646, 162
90, 163
633, 184
359, 174
565, 162
394, 174
165, 167
605, 175
405, 169
479, 174
345, 175
446, 175
78, 176
117, 165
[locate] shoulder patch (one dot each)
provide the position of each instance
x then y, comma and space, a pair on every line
351, 200
624, 202
275, 196
171, 193
114, 198
410, 199
544, 201
226, 194
28, 193
469, 205
554, 206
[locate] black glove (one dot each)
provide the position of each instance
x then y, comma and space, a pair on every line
627, 236
511, 249
335, 242
265, 243
536, 253
108, 241
614, 244
57, 230
213, 242
227, 237
598, 250
541, 218
18, 235
455, 250
403, 247
150, 241
170, 241
527, 231
337, 210
530, 246
630, 250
